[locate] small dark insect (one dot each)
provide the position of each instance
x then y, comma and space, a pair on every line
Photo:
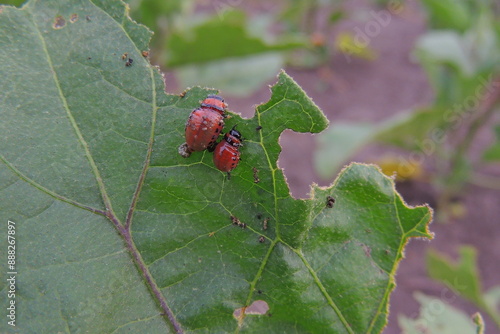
145, 54
264, 223
124, 56
259, 292
87, 18
330, 201
129, 62
237, 222
259, 216
258, 128
88, 58
256, 175
262, 239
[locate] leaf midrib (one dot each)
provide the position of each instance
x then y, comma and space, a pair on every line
124, 230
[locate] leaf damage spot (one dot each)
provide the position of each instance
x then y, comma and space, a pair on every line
258, 307
255, 175
237, 222
59, 22
265, 224
73, 18
367, 250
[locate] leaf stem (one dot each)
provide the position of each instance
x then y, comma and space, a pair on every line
147, 161
147, 276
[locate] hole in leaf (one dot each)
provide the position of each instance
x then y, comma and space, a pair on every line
258, 307
296, 159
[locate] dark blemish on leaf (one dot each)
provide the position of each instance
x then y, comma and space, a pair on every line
59, 22
88, 58
259, 216
330, 201
129, 62
265, 223
368, 230
73, 18
145, 54
367, 250
237, 222
258, 128
255, 175
262, 239
184, 150
88, 18
259, 292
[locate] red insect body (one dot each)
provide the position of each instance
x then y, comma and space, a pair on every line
227, 154
205, 123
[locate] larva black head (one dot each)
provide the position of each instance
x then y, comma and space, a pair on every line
233, 137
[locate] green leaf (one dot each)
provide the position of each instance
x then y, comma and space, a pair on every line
463, 277
439, 317
115, 232
493, 152
222, 37
448, 14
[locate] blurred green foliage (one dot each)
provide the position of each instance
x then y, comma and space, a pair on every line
438, 317
464, 279
216, 45
460, 56
237, 46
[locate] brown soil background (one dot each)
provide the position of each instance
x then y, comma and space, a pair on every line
362, 90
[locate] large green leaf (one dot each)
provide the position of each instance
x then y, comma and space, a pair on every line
117, 233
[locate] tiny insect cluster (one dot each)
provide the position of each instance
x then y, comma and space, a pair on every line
204, 126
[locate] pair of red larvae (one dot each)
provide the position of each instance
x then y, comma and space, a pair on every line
204, 126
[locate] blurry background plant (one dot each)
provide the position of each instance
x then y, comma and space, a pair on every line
217, 44
460, 57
